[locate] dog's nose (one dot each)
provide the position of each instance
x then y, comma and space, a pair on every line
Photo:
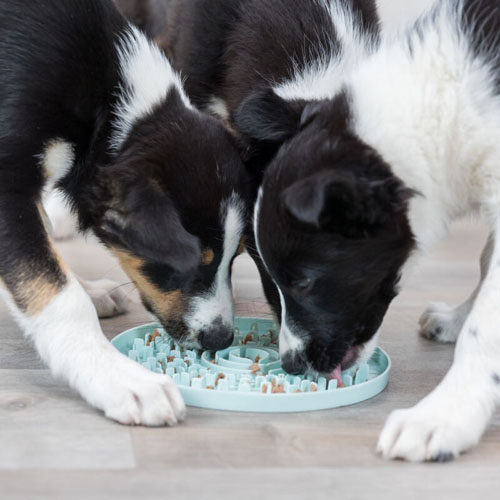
216, 338
293, 363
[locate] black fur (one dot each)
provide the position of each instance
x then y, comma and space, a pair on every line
159, 198
148, 15
481, 19
333, 216
332, 213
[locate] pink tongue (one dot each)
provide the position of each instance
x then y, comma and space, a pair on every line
337, 375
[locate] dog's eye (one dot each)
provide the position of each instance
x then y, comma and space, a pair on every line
303, 285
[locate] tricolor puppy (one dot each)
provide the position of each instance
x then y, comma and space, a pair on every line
394, 149
89, 105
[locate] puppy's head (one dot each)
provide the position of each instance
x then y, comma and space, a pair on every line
331, 227
174, 216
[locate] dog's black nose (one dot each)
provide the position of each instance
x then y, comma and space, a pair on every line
293, 363
216, 338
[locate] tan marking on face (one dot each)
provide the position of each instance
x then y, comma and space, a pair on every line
167, 305
207, 257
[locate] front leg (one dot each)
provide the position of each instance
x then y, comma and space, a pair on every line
443, 323
57, 314
453, 417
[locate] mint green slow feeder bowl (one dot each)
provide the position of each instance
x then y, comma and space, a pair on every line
247, 376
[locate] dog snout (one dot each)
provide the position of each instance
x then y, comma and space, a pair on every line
293, 363
216, 337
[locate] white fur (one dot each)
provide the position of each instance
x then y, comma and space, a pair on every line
367, 350
57, 160
63, 223
433, 114
219, 301
148, 78
453, 417
322, 79
443, 323
289, 341
69, 339
219, 108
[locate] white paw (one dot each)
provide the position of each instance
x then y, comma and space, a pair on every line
441, 323
109, 297
417, 435
63, 222
132, 395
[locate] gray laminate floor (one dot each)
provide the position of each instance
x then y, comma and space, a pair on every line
52, 445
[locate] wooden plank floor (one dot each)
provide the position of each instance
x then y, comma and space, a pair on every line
52, 445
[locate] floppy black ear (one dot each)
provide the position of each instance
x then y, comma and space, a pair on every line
265, 116
341, 202
145, 221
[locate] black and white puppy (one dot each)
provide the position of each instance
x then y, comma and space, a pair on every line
272, 69
395, 148
89, 105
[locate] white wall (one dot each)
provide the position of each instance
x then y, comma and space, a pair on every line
394, 12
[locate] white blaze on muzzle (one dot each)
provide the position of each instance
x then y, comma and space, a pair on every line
218, 302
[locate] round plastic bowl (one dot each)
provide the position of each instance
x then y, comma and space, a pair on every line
247, 376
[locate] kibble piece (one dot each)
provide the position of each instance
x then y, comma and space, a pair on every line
257, 359
264, 388
254, 368
248, 338
170, 359
278, 389
154, 335
221, 376
314, 388
210, 387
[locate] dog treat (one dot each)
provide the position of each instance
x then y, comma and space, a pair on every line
264, 388
248, 338
154, 336
314, 387
254, 368
220, 376
278, 389
210, 387
257, 359
170, 359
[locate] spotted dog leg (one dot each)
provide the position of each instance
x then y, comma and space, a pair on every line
453, 417
443, 323
56, 313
